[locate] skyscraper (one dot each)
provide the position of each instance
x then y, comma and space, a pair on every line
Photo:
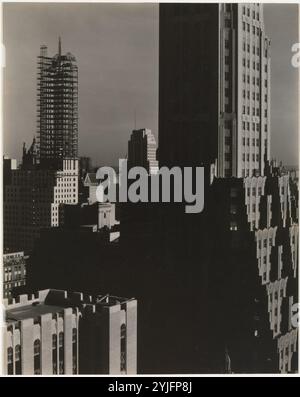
142, 150
57, 135
214, 87
214, 109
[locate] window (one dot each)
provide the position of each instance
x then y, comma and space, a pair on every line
233, 226
264, 276
74, 350
123, 348
54, 354
61, 352
37, 356
18, 360
10, 368
265, 242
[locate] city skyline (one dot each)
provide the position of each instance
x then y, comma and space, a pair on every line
102, 137
216, 290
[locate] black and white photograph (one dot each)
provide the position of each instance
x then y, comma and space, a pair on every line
150, 190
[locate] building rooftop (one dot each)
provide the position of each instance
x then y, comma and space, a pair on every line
54, 301
30, 311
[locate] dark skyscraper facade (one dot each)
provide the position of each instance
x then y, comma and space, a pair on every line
214, 110
188, 84
57, 135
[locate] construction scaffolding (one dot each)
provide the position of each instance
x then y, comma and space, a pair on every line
57, 104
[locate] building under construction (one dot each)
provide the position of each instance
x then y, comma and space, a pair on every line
57, 135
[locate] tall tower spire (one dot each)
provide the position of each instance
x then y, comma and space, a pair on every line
59, 46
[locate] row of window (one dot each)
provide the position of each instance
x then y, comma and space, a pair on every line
247, 158
254, 190
246, 28
255, 50
247, 142
264, 243
246, 11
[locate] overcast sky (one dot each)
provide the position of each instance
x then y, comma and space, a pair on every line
116, 46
